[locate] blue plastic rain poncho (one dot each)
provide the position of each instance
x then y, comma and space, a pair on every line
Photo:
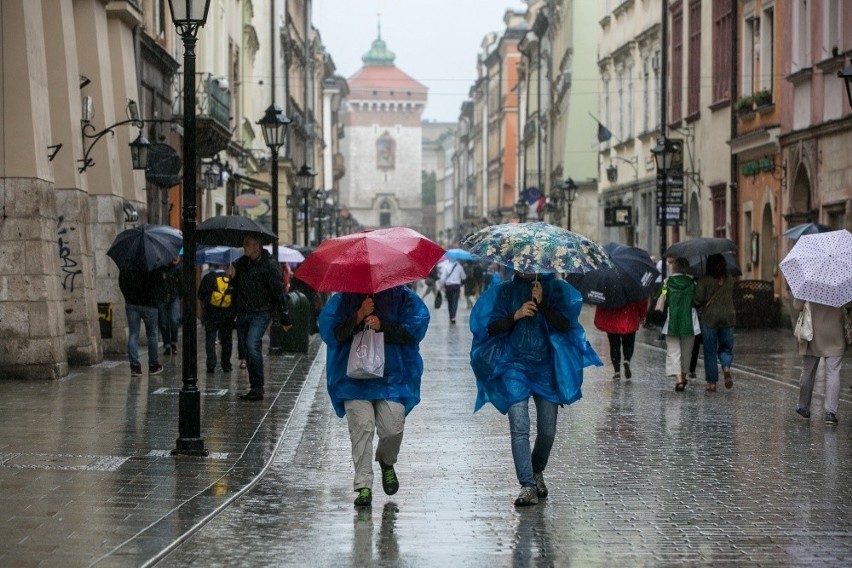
403, 364
533, 357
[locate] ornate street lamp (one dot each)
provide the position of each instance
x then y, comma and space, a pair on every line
274, 126
188, 16
139, 152
521, 209
569, 193
846, 75
305, 182
664, 153
319, 207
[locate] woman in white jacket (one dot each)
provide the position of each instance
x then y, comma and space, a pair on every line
828, 343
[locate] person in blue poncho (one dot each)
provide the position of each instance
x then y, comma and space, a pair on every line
375, 405
527, 342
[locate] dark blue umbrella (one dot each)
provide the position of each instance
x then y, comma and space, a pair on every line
145, 247
806, 229
629, 280
217, 255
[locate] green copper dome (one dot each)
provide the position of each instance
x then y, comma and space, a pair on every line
379, 53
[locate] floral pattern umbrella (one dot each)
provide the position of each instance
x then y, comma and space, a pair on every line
532, 248
819, 268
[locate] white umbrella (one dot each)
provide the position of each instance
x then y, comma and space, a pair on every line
819, 268
286, 254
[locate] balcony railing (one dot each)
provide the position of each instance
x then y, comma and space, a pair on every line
211, 99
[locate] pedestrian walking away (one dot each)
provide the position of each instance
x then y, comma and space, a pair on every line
452, 276
681, 324
218, 315
714, 297
142, 291
528, 343
620, 325
376, 406
260, 301
828, 344
169, 306
431, 282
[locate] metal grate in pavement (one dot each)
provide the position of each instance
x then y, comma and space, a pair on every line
63, 462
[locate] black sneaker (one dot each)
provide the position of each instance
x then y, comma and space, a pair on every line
155, 369
803, 412
227, 368
528, 496
540, 486
627, 372
136, 370
390, 483
830, 418
252, 395
167, 350
211, 369
364, 498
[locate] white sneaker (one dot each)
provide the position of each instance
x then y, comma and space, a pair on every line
526, 497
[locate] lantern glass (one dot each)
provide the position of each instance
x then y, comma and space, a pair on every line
663, 154
193, 12
139, 152
274, 126
305, 178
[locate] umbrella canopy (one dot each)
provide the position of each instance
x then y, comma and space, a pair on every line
217, 255
699, 246
370, 261
806, 229
698, 264
459, 254
145, 247
286, 254
230, 230
629, 280
531, 248
819, 268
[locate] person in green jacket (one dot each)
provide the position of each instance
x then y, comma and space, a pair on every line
680, 327
714, 295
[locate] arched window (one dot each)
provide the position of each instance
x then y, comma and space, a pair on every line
385, 214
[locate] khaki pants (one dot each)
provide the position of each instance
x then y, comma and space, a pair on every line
383, 417
678, 352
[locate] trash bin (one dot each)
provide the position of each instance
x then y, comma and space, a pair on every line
296, 340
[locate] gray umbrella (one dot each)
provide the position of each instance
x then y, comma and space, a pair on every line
699, 246
806, 229
230, 230
146, 247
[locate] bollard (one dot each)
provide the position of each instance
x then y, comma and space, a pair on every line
296, 340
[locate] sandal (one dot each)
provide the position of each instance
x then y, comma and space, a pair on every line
680, 385
711, 387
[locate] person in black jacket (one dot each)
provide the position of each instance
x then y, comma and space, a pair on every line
260, 300
218, 314
141, 291
169, 306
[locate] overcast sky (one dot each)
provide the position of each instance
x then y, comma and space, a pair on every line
435, 41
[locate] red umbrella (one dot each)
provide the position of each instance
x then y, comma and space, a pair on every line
369, 261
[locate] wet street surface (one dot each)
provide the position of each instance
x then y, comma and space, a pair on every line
639, 475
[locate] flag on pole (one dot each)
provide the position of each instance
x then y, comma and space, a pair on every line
603, 134
535, 200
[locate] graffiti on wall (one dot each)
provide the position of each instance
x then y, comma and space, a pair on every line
69, 265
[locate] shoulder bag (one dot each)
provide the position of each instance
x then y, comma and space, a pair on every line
804, 326
847, 326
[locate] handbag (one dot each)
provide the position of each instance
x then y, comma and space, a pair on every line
367, 355
847, 327
661, 302
804, 325
709, 301
439, 299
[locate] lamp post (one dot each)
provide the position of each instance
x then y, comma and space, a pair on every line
188, 16
569, 193
664, 153
319, 207
274, 126
305, 181
521, 209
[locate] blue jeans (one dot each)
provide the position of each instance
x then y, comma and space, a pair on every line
717, 340
135, 316
453, 291
169, 321
527, 463
252, 326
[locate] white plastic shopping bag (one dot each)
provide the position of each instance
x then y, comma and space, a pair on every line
367, 355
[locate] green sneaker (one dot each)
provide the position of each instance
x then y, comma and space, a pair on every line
390, 483
364, 498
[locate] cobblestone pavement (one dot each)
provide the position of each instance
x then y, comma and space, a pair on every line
639, 475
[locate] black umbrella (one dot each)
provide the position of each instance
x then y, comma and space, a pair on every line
146, 247
806, 229
699, 246
230, 230
698, 264
629, 280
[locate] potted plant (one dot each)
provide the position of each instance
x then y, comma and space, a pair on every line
745, 104
763, 97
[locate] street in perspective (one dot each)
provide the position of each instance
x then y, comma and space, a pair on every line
640, 474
